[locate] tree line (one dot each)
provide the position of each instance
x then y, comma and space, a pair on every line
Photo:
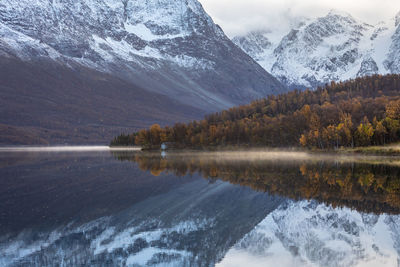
360, 112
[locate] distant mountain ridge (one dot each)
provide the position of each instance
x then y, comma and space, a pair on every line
171, 50
330, 48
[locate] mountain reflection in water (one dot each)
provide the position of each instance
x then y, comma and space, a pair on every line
129, 208
89, 209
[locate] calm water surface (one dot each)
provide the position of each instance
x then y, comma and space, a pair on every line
101, 207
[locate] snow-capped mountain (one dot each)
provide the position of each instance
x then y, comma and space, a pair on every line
170, 49
174, 43
310, 234
331, 48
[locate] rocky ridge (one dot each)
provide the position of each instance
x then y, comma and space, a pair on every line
330, 48
170, 47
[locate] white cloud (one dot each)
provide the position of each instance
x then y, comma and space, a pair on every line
240, 16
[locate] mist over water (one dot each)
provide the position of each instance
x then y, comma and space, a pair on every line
268, 155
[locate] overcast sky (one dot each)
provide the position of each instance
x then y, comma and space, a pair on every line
240, 16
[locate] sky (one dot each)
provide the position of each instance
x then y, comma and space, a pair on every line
238, 17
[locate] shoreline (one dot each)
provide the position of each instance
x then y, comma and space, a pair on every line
389, 150
58, 148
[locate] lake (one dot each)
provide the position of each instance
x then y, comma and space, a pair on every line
92, 206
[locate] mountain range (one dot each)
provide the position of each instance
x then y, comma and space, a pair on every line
331, 48
84, 71
81, 72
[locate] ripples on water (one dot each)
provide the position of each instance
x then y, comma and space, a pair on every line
95, 206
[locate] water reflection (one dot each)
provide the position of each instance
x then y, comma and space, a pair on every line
357, 226
129, 208
367, 184
310, 234
88, 209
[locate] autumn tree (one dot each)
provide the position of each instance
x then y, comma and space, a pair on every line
379, 133
393, 110
364, 133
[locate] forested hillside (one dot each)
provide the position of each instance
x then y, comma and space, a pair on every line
360, 112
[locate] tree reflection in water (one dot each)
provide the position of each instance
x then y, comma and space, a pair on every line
367, 184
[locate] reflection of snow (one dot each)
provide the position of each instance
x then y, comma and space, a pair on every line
308, 234
148, 254
112, 240
18, 249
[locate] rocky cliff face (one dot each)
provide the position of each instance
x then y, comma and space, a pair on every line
170, 49
331, 48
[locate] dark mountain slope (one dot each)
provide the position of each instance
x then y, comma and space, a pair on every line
76, 105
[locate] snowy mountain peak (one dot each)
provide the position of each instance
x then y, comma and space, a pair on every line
397, 19
333, 47
254, 43
164, 16
338, 13
340, 19
149, 20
